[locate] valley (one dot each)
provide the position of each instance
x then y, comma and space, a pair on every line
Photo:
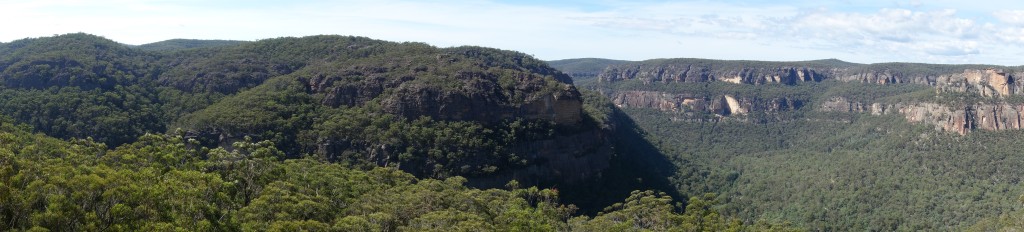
343, 133
828, 144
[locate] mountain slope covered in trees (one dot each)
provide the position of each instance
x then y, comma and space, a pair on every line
180, 44
168, 182
313, 133
346, 99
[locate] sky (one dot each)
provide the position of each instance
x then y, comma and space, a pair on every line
936, 31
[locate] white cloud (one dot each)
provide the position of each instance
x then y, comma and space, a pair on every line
888, 34
1013, 17
887, 31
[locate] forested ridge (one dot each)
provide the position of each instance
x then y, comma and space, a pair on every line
321, 133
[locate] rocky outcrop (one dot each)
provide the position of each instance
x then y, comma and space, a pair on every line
562, 108
479, 97
841, 104
733, 106
722, 105
886, 76
988, 83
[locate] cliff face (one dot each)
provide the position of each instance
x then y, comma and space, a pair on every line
460, 95
702, 73
982, 93
433, 112
721, 105
984, 116
987, 83
885, 76
985, 80
482, 97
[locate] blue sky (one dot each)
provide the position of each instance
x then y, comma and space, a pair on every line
938, 31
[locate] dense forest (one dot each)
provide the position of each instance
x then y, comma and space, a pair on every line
584, 68
167, 182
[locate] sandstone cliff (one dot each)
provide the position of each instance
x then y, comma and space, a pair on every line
989, 81
984, 116
705, 73
721, 105
983, 94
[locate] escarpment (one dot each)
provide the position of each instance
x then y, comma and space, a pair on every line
720, 105
704, 73
987, 80
959, 98
963, 119
987, 83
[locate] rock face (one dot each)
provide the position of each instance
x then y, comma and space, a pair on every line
478, 97
994, 84
962, 81
885, 76
563, 108
984, 116
721, 105
565, 158
705, 73
988, 83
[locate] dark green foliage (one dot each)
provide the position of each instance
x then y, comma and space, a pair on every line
434, 112
181, 44
79, 60
167, 182
840, 171
275, 111
113, 117
583, 68
79, 85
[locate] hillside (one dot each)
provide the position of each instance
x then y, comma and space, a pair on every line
583, 68
181, 44
313, 133
831, 145
433, 112
168, 182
